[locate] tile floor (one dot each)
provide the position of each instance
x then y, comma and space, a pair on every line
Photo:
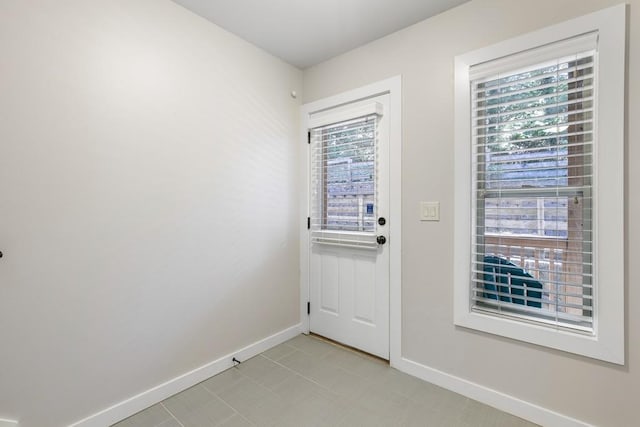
310, 382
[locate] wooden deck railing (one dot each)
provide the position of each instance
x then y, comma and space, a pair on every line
550, 262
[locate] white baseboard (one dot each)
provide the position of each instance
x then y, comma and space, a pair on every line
496, 399
137, 403
8, 423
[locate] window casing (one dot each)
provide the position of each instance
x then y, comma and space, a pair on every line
539, 187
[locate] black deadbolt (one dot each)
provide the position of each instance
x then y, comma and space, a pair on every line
382, 221
381, 240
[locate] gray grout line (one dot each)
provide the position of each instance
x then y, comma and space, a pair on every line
232, 408
224, 402
331, 392
227, 403
306, 378
310, 353
336, 348
293, 349
363, 377
171, 413
243, 417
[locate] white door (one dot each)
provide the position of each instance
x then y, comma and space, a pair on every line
349, 223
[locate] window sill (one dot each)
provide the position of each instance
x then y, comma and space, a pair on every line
558, 338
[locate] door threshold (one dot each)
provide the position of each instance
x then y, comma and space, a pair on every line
348, 347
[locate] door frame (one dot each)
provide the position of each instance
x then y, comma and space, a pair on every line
393, 87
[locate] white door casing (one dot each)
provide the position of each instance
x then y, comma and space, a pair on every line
351, 282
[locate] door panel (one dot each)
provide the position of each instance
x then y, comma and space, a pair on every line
330, 283
364, 301
349, 191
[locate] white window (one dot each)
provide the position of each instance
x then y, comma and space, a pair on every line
343, 168
539, 158
344, 175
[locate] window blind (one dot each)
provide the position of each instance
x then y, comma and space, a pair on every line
343, 183
532, 157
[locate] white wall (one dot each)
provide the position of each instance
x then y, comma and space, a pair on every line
148, 201
592, 391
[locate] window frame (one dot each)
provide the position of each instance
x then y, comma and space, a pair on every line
487, 187
368, 120
607, 341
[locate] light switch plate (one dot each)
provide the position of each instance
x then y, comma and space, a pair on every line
429, 211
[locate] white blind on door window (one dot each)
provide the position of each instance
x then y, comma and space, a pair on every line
343, 183
532, 145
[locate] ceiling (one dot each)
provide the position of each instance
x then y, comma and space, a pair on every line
307, 32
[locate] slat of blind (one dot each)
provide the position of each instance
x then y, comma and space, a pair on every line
555, 104
494, 140
558, 81
541, 316
577, 62
556, 283
365, 128
533, 128
503, 292
556, 121
504, 249
513, 100
505, 167
506, 93
531, 295
516, 183
514, 232
547, 177
546, 155
512, 222
488, 210
561, 111
549, 292
365, 135
555, 76
530, 303
532, 157
352, 243
568, 279
348, 152
491, 295
346, 144
524, 104
538, 295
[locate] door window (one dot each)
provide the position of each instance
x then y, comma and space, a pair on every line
344, 175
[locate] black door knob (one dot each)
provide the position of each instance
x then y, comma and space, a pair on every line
381, 240
382, 220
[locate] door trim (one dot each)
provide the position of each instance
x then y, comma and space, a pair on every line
393, 87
